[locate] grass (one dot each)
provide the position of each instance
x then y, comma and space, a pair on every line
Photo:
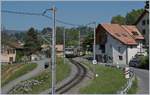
12, 71
109, 81
134, 87
63, 70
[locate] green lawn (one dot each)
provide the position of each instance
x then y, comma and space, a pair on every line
63, 70
12, 71
109, 81
134, 87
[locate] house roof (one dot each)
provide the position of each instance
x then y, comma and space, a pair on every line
119, 33
141, 16
133, 31
14, 45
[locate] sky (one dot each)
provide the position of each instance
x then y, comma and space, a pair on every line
75, 12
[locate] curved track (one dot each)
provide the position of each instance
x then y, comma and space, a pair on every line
81, 73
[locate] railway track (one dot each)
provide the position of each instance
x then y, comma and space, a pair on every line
81, 73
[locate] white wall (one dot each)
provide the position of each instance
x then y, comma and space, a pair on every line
115, 53
132, 52
146, 27
111, 49
5, 57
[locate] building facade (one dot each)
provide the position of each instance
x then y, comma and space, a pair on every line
8, 54
9, 51
114, 44
142, 24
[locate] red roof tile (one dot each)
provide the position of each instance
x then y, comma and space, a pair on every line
119, 33
133, 31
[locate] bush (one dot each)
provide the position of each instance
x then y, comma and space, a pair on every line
19, 55
144, 62
134, 87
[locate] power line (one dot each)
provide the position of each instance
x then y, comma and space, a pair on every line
21, 13
39, 14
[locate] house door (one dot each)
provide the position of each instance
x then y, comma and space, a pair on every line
10, 59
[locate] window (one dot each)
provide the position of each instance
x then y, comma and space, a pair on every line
143, 22
119, 49
134, 33
11, 59
120, 58
148, 21
102, 47
143, 31
8, 52
131, 46
144, 41
13, 51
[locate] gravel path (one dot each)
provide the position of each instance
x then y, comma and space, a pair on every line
6, 88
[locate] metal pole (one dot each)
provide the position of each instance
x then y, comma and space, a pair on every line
94, 41
94, 49
79, 42
64, 44
53, 52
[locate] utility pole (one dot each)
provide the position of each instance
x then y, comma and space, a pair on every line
94, 43
79, 42
94, 50
53, 57
64, 37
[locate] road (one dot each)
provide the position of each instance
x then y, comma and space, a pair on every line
143, 80
6, 88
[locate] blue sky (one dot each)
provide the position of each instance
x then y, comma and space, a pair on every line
77, 12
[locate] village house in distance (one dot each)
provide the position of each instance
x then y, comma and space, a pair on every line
8, 52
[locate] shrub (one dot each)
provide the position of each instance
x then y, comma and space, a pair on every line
144, 62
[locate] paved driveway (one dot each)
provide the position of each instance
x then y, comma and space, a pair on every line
143, 80
6, 88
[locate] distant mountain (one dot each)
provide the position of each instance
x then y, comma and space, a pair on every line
46, 30
13, 31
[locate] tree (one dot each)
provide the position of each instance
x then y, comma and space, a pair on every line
21, 36
59, 35
32, 43
129, 19
132, 16
88, 42
144, 62
72, 37
118, 19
